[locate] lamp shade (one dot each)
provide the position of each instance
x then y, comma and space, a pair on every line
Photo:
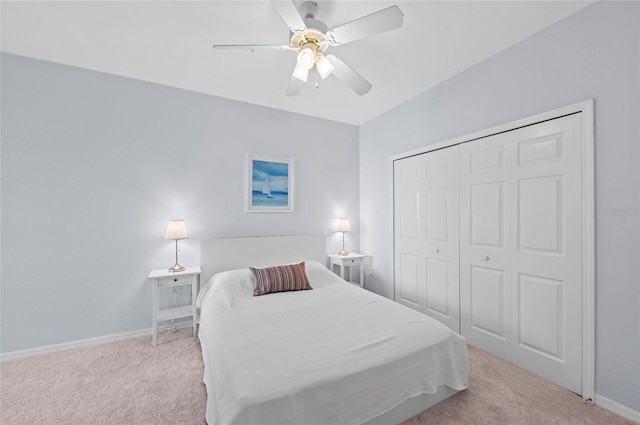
325, 68
176, 229
301, 73
306, 57
343, 225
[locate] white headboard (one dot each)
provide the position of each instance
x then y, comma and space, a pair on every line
237, 253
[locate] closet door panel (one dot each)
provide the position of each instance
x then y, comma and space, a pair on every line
540, 315
487, 302
485, 266
540, 215
547, 336
409, 289
410, 232
442, 239
438, 289
520, 267
487, 215
426, 239
438, 215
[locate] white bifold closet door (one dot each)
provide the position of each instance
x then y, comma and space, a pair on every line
521, 248
426, 242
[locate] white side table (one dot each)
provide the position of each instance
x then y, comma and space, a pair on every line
350, 260
163, 278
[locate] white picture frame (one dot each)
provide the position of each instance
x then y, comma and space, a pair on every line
269, 183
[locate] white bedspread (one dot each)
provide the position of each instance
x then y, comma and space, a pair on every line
336, 354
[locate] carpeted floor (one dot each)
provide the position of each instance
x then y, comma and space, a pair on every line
124, 382
130, 382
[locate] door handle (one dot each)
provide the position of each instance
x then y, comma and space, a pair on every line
486, 258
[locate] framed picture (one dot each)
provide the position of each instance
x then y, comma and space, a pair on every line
269, 184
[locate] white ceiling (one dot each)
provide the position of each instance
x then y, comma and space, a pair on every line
169, 43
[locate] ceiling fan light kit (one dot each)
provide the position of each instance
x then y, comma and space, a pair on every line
301, 73
310, 39
307, 56
325, 68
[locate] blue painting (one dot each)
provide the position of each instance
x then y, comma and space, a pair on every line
270, 184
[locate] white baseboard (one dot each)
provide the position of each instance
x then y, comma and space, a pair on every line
618, 408
13, 355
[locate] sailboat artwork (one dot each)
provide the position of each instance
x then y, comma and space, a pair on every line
270, 183
266, 190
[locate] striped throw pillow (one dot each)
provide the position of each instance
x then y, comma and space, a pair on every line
291, 277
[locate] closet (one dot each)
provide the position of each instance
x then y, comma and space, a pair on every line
488, 239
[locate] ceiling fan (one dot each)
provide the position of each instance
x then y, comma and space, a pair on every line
310, 38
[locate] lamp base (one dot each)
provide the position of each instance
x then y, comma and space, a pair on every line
176, 268
343, 253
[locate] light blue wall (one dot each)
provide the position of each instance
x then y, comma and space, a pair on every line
93, 167
593, 54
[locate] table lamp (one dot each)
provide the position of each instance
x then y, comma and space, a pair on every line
343, 226
176, 229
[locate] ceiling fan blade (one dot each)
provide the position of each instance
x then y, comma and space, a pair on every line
290, 15
347, 75
294, 87
384, 20
251, 47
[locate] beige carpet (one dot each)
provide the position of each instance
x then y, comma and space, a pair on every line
125, 382
130, 382
501, 393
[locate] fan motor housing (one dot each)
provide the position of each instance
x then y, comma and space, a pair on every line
316, 29
313, 35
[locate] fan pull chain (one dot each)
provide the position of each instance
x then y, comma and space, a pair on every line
316, 77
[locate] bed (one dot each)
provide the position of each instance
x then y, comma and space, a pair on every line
336, 354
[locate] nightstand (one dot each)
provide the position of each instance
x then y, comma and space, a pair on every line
163, 278
350, 260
